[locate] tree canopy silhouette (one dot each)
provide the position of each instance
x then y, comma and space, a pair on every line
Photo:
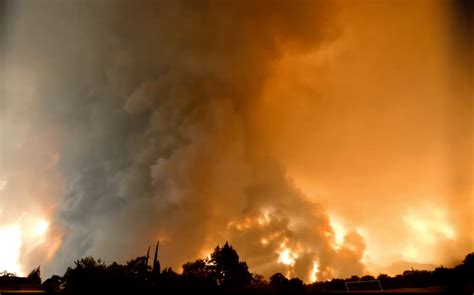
198, 274
224, 271
35, 276
227, 269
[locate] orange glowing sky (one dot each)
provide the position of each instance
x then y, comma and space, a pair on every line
364, 126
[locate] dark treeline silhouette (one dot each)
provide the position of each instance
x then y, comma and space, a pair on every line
9, 281
224, 272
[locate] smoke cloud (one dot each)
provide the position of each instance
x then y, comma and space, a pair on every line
199, 122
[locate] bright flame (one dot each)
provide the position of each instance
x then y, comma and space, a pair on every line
10, 245
262, 219
287, 256
339, 232
23, 236
314, 272
206, 253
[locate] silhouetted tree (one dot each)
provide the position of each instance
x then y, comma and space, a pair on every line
198, 274
226, 268
125, 277
35, 276
469, 261
224, 271
468, 268
169, 279
258, 281
7, 274
461, 279
385, 280
197, 269
353, 279
278, 281
367, 278
138, 266
295, 285
52, 285
87, 276
442, 275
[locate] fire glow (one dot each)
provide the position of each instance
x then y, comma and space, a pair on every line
17, 237
10, 247
339, 232
287, 257
314, 272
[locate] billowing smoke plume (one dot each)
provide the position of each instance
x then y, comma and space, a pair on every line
151, 105
136, 121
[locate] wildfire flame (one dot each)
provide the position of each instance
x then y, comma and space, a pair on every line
314, 272
287, 256
339, 232
15, 238
10, 245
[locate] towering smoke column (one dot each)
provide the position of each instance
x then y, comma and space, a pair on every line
125, 123
153, 107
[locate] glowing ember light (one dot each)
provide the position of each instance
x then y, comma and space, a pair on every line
10, 245
287, 257
314, 272
264, 241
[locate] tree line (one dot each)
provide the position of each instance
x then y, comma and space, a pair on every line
224, 271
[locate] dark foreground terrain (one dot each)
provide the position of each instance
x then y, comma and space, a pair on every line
224, 273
